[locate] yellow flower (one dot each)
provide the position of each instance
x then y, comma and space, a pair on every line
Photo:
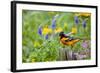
83, 14
33, 60
46, 30
36, 44
74, 30
58, 30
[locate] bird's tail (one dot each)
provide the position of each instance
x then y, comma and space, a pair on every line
83, 39
76, 40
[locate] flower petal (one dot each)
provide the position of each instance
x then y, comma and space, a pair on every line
76, 19
46, 37
74, 30
53, 24
84, 23
84, 44
40, 31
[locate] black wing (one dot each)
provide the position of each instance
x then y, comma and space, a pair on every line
69, 38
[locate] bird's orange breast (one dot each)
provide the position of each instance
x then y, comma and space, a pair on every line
70, 42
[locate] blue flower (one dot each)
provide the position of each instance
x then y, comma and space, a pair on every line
84, 23
53, 25
46, 37
76, 19
40, 31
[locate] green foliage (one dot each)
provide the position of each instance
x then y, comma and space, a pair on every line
35, 48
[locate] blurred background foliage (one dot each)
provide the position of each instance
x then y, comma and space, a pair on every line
40, 33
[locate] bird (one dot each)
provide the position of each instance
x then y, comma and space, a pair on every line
68, 40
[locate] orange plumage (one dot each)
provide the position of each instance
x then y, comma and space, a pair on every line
67, 40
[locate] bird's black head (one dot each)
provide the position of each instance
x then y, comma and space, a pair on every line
61, 34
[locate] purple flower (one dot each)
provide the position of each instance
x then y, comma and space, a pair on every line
76, 19
46, 37
84, 23
53, 24
40, 31
84, 44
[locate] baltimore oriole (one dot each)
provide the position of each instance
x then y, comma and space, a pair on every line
67, 40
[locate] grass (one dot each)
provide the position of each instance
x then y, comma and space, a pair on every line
40, 35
